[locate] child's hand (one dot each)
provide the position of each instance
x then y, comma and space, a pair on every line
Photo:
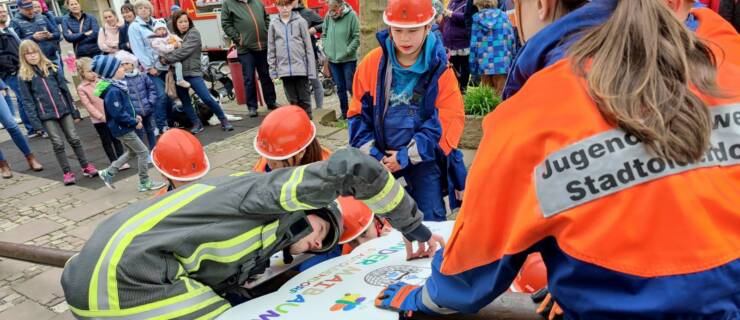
391, 161
178, 45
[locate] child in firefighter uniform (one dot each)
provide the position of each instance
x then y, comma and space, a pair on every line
622, 171
407, 110
179, 157
287, 138
174, 256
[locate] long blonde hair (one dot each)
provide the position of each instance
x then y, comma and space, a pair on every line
83, 65
640, 66
27, 71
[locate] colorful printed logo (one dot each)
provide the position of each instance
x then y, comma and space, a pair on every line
348, 302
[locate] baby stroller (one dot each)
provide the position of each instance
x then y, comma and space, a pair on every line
221, 85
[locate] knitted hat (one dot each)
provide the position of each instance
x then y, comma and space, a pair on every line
24, 4
174, 8
105, 66
126, 57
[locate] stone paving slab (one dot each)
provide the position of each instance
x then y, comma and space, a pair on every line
30, 231
84, 231
24, 186
44, 287
27, 310
56, 192
9, 267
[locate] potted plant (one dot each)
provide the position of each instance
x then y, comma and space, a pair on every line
479, 101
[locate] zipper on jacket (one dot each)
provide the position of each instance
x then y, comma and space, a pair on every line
256, 29
287, 44
50, 97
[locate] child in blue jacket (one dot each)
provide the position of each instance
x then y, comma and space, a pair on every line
491, 45
122, 121
143, 95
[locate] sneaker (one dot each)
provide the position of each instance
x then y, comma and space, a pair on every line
252, 113
44, 135
18, 121
34, 134
150, 185
125, 166
107, 178
197, 129
90, 171
183, 84
232, 117
226, 126
69, 178
164, 129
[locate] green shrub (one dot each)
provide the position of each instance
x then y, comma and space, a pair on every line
479, 101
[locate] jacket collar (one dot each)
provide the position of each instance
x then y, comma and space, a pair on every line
551, 43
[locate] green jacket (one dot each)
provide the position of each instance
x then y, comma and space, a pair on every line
341, 36
245, 23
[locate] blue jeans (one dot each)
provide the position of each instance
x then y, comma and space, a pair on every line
343, 74
199, 86
8, 121
187, 105
251, 61
164, 103
148, 131
12, 82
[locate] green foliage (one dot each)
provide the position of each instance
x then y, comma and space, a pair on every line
479, 101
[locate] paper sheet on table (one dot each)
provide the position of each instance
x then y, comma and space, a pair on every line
344, 287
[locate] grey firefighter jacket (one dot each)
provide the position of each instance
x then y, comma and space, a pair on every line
165, 255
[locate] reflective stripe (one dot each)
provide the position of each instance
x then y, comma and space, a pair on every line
289, 192
169, 308
413, 152
427, 301
239, 174
103, 290
612, 161
232, 249
214, 313
388, 198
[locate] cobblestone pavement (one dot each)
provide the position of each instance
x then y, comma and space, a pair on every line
39, 210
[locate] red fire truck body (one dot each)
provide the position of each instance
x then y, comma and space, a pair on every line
206, 15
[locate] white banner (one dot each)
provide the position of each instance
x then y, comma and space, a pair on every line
344, 287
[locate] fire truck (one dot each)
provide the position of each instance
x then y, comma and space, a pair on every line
206, 15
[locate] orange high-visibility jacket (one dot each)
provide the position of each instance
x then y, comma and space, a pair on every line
624, 234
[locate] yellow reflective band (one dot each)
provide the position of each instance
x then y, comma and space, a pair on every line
229, 250
239, 174
289, 192
394, 203
140, 224
190, 309
164, 305
214, 313
388, 198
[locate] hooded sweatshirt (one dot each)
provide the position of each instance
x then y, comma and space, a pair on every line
289, 49
341, 36
491, 43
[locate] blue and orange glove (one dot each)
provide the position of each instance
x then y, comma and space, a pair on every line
400, 297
